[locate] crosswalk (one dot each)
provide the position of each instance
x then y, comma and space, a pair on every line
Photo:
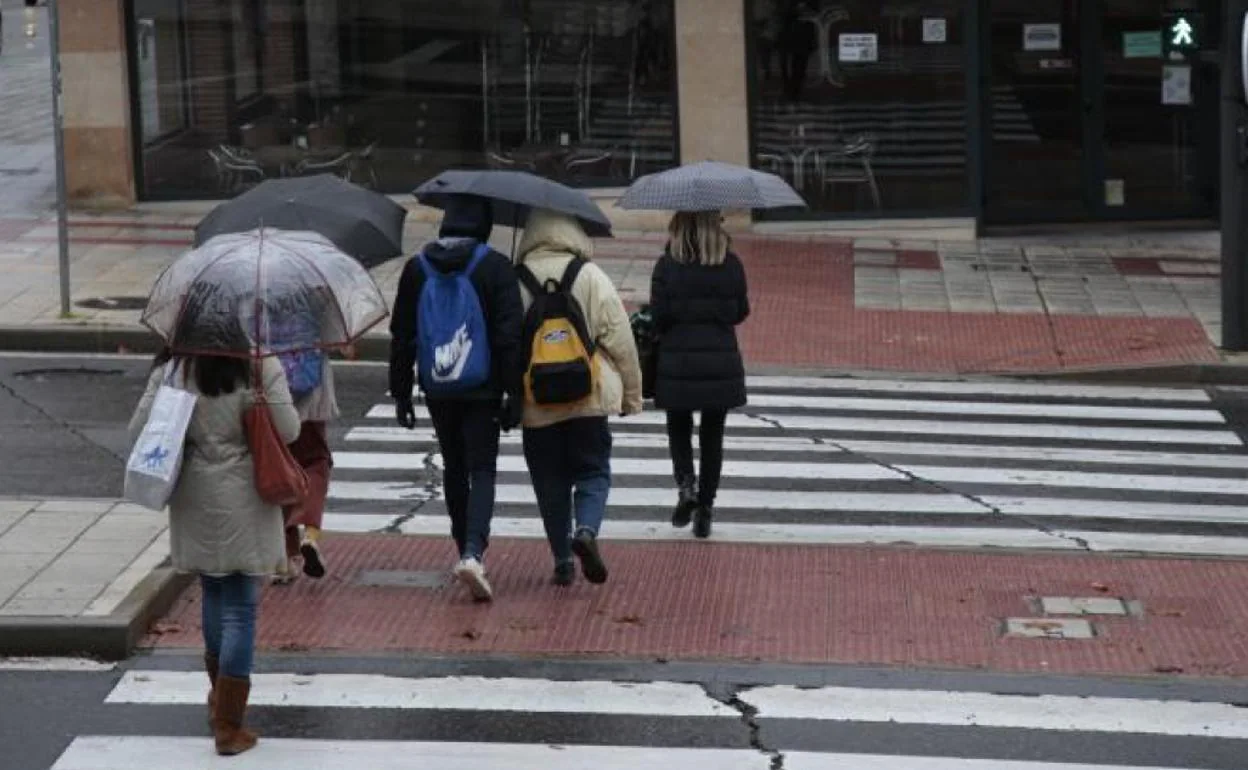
387, 722
841, 460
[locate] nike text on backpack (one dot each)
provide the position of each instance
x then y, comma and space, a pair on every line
453, 346
560, 352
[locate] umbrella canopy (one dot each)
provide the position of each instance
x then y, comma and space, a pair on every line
362, 223
513, 194
709, 186
263, 292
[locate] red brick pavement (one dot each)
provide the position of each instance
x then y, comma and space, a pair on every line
803, 314
799, 604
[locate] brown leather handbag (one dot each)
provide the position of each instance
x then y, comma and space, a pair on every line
280, 479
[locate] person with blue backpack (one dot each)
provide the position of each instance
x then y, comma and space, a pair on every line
457, 321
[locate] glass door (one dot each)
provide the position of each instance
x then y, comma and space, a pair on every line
1101, 110
1037, 107
1158, 127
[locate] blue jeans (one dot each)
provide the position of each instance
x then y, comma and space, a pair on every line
570, 465
229, 621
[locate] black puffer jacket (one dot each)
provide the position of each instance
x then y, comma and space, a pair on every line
696, 308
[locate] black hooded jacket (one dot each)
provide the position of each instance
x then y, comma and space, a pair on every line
496, 285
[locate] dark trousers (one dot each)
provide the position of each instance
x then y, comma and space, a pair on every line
468, 436
570, 465
710, 446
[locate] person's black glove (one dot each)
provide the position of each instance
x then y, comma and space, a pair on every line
510, 413
405, 413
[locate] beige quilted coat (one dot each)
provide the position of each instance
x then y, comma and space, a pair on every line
217, 522
550, 240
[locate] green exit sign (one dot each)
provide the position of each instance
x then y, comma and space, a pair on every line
1183, 32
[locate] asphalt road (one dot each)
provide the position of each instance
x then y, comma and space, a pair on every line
43, 711
63, 420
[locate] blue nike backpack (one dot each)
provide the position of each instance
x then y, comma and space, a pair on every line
452, 346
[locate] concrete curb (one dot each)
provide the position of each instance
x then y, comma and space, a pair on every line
107, 340
112, 637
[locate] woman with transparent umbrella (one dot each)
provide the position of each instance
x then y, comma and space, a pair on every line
218, 310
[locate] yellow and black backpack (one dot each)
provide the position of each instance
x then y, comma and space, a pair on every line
558, 347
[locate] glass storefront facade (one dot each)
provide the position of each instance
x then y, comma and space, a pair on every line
390, 92
1001, 111
862, 105
1005, 110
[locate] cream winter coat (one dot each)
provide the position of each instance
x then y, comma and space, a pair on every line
549, 243
217, 522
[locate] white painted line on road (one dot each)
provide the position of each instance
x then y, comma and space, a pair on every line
1118, 509
928, 427
801, 760
974, 709
1079, 479
67, 665
626, 530
424, 437
632, 466
131, 752
662, 497
994, 408
982, 388
838, 502
748, 469
365, 691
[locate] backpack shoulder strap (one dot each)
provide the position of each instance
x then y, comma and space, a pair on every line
570, 274
425, 267
529, 281
575, 311
479, 253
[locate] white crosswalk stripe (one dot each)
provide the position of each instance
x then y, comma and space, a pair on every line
472, 709
835, 460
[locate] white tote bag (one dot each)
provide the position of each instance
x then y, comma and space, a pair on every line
156, 460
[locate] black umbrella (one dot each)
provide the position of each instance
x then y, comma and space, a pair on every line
364, 224
513, 194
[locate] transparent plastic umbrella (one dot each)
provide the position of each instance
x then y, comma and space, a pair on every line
262, 293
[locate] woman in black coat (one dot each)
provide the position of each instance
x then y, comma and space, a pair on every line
697, 297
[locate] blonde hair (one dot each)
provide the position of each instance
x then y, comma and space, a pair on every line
698, 238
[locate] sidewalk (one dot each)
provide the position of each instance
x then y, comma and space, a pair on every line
993, 306
722, 602
81, 576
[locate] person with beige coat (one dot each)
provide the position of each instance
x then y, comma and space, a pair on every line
568, 448
219, 527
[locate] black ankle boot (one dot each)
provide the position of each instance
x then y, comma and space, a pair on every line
702, 516
685, 503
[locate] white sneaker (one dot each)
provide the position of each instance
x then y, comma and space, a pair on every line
472, 574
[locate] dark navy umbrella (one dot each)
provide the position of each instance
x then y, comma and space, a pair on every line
514, 194
360, 222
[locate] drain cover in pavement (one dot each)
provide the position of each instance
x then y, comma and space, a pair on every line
1048, 628
402, 579
113, 303
18, 171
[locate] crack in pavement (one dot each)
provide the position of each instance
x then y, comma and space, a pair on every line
749, 717
432, 489
914, 477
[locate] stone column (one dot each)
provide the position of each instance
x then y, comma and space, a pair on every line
714, 98
99, 160
711, 62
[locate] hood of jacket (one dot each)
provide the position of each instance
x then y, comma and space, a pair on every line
549, 232
448, 255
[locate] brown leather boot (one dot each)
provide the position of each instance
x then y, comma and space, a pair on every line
232, 737
211, 666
